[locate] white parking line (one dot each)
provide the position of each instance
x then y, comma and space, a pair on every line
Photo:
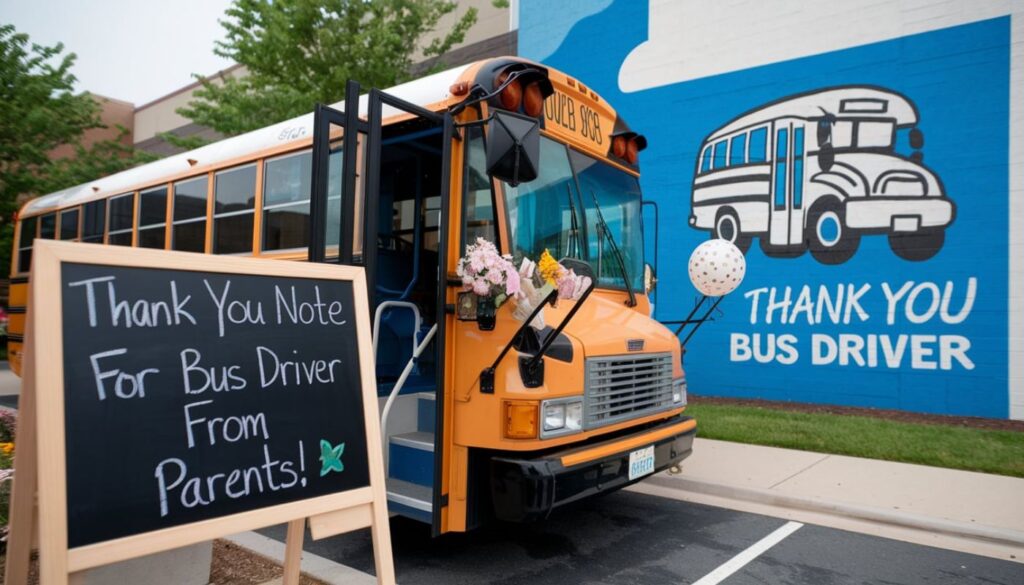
755, 550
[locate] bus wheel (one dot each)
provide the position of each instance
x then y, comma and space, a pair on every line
727, 227
917, 246
828, 237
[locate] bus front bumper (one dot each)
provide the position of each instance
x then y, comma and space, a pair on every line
523, 490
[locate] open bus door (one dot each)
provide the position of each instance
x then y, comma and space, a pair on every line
397, 230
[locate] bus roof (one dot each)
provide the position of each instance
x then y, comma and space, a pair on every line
424, 91
854, 101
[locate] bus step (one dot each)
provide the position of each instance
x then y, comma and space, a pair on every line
426, 406
410, 500
411, 458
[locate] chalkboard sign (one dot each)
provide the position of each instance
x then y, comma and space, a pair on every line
182, 397
190, 395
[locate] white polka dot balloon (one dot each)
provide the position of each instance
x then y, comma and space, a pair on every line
717, 267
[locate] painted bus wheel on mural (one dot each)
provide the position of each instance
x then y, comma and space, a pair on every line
816, 171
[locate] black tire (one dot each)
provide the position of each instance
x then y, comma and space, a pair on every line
917, 246
727, 227
828, 237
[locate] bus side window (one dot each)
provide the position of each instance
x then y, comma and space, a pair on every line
188, 232
120, 221
153, 218
28, 233
705, 159
720, 148
286, 191
48, 226
234, 196
757, 146
478, 218
69, 224
94, 216
737, 150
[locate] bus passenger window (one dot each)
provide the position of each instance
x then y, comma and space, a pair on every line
188, 233
69, 224
478, 201
737, 150
758, 145
720, 149
705, 160
28, 233
48, 226
234, 204
120, 221
94, 215
781, 145
152, 218
286, 201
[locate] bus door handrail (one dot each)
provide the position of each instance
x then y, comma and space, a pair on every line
387, 305
386, 412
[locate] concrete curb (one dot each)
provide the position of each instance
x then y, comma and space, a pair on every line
1003, 536
313, 565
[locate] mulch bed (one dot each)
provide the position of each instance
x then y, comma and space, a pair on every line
232, 565
896, 415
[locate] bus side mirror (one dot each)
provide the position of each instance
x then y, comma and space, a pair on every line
826, 157
513, 147
650, 279
916, 139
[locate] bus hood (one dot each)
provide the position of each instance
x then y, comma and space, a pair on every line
606, 326
885, 174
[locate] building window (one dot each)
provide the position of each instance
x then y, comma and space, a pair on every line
758, 145
234, 204
188, 233
737, 149
120, 220
28, 233
69, 224
286, 201
94, 215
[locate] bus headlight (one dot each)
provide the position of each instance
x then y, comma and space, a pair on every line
561, 416
679, 391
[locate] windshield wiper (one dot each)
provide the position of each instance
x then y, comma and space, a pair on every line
603, 226
574, 246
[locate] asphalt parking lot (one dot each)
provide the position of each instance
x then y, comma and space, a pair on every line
632, 538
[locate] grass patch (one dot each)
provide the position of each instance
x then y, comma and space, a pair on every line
989, 451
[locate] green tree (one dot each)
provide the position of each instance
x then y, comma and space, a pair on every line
40, 111
301, 52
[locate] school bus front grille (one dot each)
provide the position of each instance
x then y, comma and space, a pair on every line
622, 387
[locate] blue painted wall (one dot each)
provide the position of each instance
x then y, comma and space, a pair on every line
959, 80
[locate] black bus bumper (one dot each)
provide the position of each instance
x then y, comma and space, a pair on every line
523, 490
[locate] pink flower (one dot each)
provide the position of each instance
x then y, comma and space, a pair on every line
513, 286
494, 275
481, 287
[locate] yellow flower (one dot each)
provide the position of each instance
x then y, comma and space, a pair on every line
549, 268
7, 448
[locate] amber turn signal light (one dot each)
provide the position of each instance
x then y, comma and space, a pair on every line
619, 146
632, 151
520, 419
512, 95
533, 100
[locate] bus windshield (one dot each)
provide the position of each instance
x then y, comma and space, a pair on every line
551, 213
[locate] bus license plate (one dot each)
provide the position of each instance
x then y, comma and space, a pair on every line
641, 462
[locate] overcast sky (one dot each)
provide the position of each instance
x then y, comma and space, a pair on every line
132, 50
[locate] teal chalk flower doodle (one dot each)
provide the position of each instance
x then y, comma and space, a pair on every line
330, 457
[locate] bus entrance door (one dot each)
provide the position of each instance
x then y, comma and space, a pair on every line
405, 232
786, 226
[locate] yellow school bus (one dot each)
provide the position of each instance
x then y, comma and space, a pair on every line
485, 417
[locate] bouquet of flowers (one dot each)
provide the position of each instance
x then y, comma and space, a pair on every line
538, 279
487, 273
